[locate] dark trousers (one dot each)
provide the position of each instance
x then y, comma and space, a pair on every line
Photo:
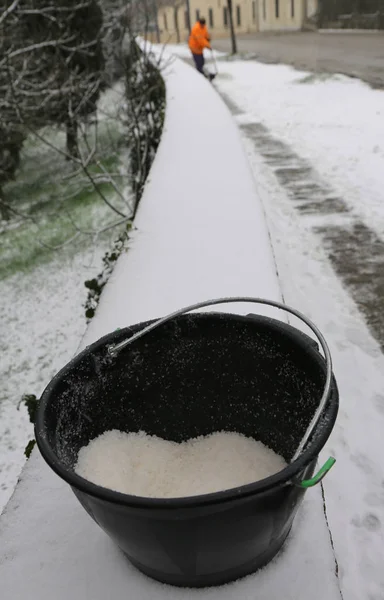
199, 62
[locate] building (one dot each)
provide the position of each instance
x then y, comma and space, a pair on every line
250, 16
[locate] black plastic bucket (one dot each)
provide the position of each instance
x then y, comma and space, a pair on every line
194, 375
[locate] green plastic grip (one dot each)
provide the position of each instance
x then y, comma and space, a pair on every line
308, 483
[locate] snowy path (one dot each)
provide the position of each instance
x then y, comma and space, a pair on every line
317, 153
309, 145
187, 246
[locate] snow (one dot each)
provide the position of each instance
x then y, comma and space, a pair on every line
200, 233
334, 122
186, 209
354, 490
148, 466
62, 553
42, 310
42, 305
337, 125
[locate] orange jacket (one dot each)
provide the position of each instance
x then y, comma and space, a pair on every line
199, 38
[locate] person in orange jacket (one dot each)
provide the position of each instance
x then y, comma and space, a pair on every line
198, 40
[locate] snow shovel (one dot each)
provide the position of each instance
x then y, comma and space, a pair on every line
212, 76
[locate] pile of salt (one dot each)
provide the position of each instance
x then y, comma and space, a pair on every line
148, 466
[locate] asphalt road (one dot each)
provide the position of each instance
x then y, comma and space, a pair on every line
358, 55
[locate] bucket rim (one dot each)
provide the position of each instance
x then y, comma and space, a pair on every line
282, 478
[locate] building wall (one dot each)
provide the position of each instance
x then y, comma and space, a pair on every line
217, 10
172, 24
312, 7
250, 16
281, 15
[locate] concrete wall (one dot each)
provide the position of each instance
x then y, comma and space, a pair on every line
281, 15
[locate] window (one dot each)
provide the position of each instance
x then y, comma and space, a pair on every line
225, 16
197, 14
165, 22
176, 18
254, 11
293, 9
186, 20
264, 9
277, 8
238, 15
210, 18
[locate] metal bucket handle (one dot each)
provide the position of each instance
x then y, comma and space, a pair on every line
114, 349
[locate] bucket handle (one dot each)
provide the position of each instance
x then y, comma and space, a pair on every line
114, 349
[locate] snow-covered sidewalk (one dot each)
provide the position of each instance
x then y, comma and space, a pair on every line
334, 122
315, 143
316, 148
201, 233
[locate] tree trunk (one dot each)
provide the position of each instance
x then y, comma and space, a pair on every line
189, 16
156, 17
4, 210
232, 27
72, 146
176, 18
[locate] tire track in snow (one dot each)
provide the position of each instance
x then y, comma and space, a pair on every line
354, 250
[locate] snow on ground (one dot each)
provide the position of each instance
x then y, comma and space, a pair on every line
335, 122
43, 321
188, 246
40, 311
338, 126
355, 488
42, 292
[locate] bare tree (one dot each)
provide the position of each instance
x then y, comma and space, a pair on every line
188, 7
51, 73
11, 133
53, 60
143, 15
176, 20
31, 100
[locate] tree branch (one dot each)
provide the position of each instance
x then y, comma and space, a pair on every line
8, 11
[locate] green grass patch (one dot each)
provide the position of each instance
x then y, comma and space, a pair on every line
57, 198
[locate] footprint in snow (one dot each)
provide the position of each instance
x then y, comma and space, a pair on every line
370, 522
363, 462
378, 401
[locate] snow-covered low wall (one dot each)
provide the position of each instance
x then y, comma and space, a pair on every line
200, 233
